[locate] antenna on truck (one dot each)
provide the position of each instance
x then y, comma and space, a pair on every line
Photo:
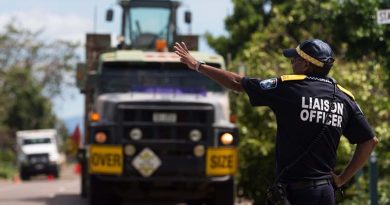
95, 19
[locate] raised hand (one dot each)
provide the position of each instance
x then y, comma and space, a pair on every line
185, 57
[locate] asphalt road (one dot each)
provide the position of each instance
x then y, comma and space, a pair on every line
42, 190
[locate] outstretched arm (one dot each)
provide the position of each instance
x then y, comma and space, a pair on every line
360, 156
225, 78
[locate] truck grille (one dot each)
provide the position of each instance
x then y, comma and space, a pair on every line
187, 117
167, 137
189, 114
38, 158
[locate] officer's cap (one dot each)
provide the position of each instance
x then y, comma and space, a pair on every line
315, 51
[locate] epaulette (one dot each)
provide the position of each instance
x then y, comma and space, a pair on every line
346, 91
292, 77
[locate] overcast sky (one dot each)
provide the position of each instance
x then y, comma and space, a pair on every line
72, 19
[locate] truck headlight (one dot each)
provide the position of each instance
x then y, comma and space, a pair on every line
53, 157
135, 134
195, 135
101, 137
199, 150
23, 158
227, 138
130, 150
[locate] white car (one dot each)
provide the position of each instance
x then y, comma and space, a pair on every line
38, 153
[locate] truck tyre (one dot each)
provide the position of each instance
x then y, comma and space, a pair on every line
24, 176
224, 193
84, 182
83, 172
56, 172
100, 194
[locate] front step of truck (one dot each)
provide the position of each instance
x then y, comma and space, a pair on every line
126, 193
100, 194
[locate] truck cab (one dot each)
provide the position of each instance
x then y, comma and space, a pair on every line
38, 153
156, 131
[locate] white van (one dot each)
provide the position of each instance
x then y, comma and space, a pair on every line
38, 153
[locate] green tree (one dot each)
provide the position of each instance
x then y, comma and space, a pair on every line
28, 109
48, 62
349, 26
32, 70
361, 49
241, 24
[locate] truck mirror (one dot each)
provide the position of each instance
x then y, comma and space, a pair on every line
92, 79
187, 17
109, 15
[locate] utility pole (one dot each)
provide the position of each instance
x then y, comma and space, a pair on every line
373, 169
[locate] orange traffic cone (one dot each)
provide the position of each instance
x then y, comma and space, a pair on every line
16, 179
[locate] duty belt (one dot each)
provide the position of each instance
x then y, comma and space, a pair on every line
307, 184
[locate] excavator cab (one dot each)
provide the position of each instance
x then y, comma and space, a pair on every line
147, 25
151, 25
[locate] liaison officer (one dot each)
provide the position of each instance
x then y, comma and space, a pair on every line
302, 102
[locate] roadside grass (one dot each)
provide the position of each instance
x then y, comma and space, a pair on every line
7, 170
8, 167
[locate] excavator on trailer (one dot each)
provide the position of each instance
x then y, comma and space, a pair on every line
154, 129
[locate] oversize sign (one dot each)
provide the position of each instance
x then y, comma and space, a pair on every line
383, 16
221, 161
105, 159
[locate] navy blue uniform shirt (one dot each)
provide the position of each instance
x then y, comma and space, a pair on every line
301, 104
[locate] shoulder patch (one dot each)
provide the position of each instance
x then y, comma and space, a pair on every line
269, 83
346, 91
292, 77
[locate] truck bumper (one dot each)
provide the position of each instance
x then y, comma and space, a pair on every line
174, 188
34, 169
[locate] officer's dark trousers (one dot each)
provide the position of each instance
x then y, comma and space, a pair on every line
320, 195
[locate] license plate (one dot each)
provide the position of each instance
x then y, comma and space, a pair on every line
221, 161
39, 166
164, 117
105, 159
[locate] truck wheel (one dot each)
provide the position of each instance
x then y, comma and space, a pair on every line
24, 176
82, 162
84, 182
56, 172
224, 193
100, 194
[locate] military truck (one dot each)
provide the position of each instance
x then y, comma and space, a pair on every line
155, 130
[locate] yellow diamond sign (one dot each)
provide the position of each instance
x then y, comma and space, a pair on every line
146, 162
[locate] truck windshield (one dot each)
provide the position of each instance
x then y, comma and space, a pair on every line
36, 141
147, 25
154, 77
